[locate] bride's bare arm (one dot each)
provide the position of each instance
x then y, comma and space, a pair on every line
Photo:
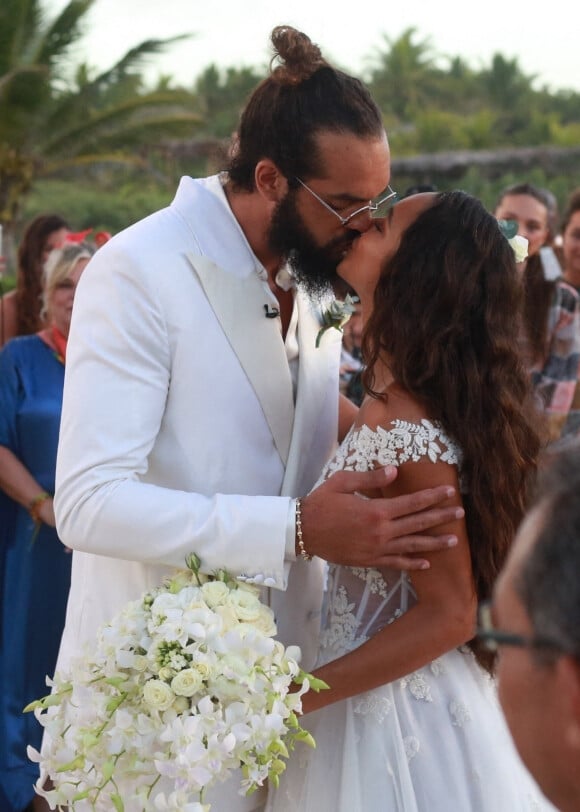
442, 619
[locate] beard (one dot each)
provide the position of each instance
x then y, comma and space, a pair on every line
313, 266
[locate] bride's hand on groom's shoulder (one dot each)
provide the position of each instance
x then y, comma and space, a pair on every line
340, 525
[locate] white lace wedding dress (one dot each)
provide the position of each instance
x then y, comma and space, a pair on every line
434, 741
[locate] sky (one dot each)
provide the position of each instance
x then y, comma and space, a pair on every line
235, 33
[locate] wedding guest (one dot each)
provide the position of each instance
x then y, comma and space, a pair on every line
201, 291
551, 315
535, 623
411, 720
36, 567
570, 230
20, 308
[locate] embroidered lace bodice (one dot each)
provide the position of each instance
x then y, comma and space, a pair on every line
359, 602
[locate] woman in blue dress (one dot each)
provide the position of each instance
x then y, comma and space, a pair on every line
35, 566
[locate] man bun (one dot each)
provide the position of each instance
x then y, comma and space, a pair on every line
299, 58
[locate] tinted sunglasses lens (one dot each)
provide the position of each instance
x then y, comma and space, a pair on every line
383, 205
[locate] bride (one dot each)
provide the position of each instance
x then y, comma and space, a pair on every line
411, 722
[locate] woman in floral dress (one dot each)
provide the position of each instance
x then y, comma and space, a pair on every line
410, 722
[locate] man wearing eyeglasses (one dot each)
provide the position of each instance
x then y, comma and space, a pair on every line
198, 408
534, 624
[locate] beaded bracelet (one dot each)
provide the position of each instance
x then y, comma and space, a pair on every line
36, 504
301, 548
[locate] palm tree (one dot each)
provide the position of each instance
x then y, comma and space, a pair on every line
53, 117
404, 77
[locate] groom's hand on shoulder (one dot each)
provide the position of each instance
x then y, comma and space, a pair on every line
341, 524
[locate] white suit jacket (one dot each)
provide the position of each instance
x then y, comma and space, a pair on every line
179, 429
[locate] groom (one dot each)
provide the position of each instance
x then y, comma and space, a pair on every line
197, 405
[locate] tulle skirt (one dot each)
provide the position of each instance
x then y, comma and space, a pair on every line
435, 741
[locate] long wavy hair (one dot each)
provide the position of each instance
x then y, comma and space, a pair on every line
29, 278
445, 317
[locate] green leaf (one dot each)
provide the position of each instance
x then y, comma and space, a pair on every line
80, 796
306, 737
108, 769
114, 703
118, 802
318, 684
116, 682
77, 763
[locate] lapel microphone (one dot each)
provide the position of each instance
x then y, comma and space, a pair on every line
271, 312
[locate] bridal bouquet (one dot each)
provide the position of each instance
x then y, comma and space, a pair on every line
183, 687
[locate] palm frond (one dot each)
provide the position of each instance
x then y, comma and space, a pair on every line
15, 74
64, 31
135, 58
122, 122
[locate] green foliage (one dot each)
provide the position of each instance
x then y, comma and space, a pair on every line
104, 150
49, 122
107, 207
495, 106
438, 130
404, 77
221, 96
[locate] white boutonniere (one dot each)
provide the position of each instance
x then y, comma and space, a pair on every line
519, 244
336, 316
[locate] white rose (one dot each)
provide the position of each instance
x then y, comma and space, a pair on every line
245, 605
519, 246
244, 586
265, 622
204, 670
215, 593
187, 682
158, 694
181, 704
228, 616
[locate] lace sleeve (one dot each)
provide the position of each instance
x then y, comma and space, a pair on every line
364, 448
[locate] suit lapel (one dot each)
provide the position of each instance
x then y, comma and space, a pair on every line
318, 369
238, 303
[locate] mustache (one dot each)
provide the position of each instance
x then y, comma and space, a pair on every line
342, 242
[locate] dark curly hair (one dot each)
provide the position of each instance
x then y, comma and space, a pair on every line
445, 315
302, 97
29, 275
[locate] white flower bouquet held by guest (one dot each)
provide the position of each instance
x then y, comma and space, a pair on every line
185, 685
